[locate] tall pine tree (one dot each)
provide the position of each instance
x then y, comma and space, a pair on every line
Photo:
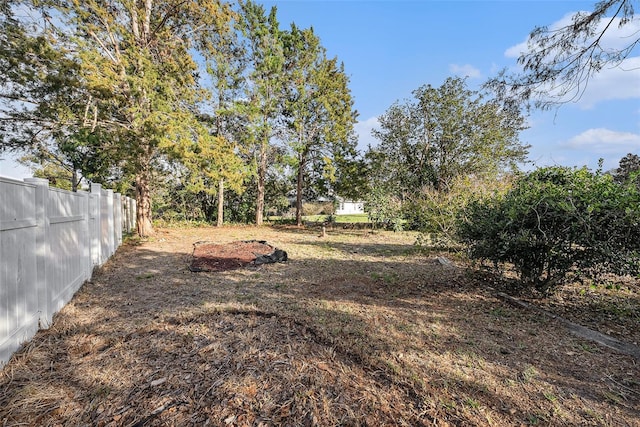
319, 110
263, 98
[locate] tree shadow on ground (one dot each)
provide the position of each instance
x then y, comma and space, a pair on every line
346, 333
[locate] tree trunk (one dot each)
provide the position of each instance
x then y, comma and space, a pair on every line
220, 202
262, 172
74, 180
299, 188
208, 205
143, 205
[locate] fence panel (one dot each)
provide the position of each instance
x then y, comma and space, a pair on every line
18, 230
68, 242
94, 227
106, 225
117, 220
50, 241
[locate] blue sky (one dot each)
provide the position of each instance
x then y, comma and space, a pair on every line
390, 48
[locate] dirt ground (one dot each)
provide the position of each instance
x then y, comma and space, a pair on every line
355, 329
210, 256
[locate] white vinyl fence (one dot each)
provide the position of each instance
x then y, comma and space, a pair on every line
50, 241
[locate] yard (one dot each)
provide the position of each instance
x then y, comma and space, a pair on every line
356, 328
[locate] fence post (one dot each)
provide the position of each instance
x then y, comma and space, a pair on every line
96, 208
110, 224
127, 204
42, 250
86, 234
129, 215
117, 220
125, 213
133, 214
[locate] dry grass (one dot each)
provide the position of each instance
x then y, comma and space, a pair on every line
356, 329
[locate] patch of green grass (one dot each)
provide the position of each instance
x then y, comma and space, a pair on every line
351, 218
587, 348
387, 278
613, 398
528, 374
338, 219
448, 404
393, 367
533, 419
498, 312
180, 223
472, 403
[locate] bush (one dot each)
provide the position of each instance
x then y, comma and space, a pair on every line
384, 210
317, 208
435, 213
557, 222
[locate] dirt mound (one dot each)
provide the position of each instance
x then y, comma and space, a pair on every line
208, 256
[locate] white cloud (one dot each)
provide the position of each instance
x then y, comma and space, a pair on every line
615, 37
524, 47
465, 70
603, 140
363, 129
619, 81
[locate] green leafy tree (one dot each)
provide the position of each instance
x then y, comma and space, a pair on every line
445, 133
37, 81
240, 207
57, 175
352, 173
263, 97
135, 65
45, 111
211, 161
628, 170
435, 213
226, 63
83, 155
557, 223
384, 209
318, 111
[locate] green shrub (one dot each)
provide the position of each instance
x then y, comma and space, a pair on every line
557, 222
384, 210
317, 208
435, 213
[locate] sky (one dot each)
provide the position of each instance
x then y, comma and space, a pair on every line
390, 48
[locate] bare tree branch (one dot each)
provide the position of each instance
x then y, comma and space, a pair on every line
560, 62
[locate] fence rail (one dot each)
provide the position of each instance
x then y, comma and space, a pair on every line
50, 241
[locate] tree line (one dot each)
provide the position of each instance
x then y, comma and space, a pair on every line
150, 96
211, 110
199, 106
